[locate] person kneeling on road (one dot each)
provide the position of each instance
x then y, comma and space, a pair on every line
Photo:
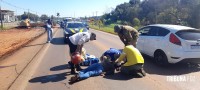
76, 43
134, 61
105, 67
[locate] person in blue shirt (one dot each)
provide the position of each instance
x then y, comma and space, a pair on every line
112, 53
106, 67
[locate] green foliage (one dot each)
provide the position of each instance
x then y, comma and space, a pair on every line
136, 22
184, 12
107, 28
31, 16
44, 17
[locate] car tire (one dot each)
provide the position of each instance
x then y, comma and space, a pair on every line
160, 58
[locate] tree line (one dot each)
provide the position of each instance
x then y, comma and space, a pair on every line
34, 17
145, 12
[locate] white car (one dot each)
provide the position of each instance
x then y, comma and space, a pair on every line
170, 43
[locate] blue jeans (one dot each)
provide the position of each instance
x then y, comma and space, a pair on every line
93, 70
49, 34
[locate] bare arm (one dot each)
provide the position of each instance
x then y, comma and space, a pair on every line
121, 58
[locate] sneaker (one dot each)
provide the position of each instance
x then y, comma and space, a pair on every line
142, 72
139, 75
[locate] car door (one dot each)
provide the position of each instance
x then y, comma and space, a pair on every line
150, 41
141, 40
156, 40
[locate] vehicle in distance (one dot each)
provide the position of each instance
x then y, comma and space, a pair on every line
72, 28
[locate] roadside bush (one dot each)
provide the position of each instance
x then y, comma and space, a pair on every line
136, 22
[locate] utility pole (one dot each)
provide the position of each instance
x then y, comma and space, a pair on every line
96, 14
35, 17
1, 15
74, 14
28, 13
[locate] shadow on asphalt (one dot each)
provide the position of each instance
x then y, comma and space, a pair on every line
35, 44
60, 67
8, 66
119, 76
58, 41
172, 69
50, 78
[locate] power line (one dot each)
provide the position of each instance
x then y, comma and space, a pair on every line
13, 5
5, 2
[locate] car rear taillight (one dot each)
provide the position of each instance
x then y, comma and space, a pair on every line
173, 39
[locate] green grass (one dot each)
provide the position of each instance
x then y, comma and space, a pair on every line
107, 28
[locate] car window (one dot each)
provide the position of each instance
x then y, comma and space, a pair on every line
75, 25
144, 31
162, 31
189, 34
153, 31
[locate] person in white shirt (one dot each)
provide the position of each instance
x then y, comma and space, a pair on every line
76, 43
49, 30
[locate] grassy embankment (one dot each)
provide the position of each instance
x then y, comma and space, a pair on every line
107, 28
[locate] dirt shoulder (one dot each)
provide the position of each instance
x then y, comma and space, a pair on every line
13, 39
27, 55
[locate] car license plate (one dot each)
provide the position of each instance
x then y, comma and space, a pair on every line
195, 46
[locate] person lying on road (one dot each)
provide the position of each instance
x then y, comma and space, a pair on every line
106, 67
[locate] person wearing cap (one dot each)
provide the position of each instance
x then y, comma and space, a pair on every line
76, 43
126, 34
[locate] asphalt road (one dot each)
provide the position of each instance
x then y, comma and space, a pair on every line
53, 73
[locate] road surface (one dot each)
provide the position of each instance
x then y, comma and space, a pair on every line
52, 73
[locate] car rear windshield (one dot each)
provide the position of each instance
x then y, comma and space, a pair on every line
75, 25
191, 34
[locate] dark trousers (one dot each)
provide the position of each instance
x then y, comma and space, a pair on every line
73, 48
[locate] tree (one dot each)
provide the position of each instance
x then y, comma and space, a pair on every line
136, 22
24, 16
194, 20
134, 2
156, 11
31, 16
44, 17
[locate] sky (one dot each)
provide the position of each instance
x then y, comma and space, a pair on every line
66, 8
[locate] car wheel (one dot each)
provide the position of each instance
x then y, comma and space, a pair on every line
160, 58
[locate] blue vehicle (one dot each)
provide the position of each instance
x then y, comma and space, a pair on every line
72, 28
